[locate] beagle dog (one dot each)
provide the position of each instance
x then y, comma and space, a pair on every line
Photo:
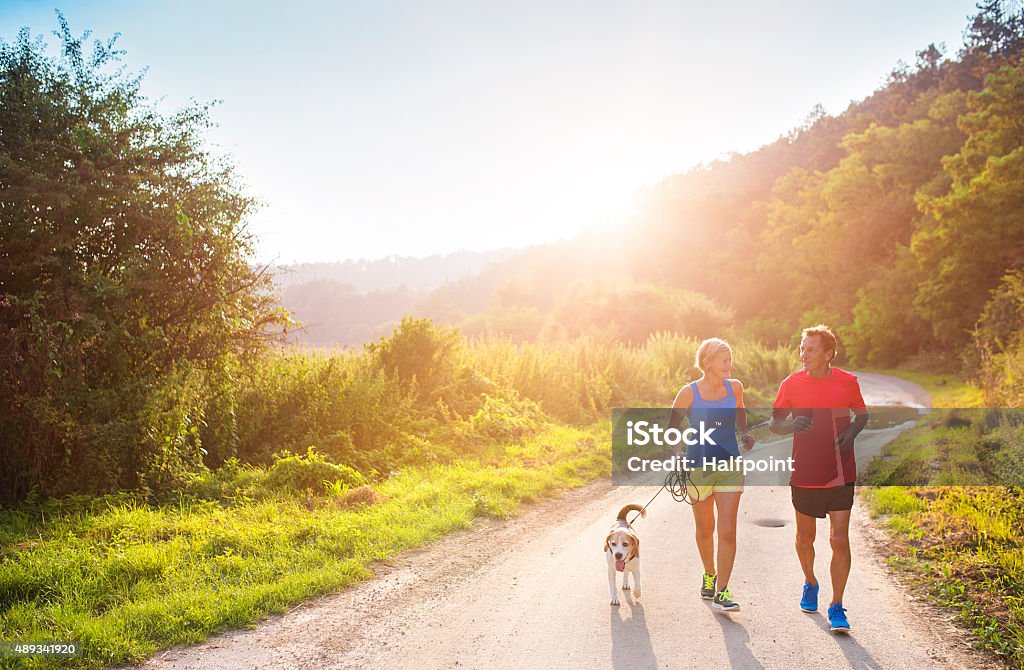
622, 553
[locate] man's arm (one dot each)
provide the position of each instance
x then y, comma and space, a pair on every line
797, 424
780, 426
845, 439
783, 422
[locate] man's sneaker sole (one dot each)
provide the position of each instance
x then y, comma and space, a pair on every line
723, 608
704, 597
804, 609
838, 629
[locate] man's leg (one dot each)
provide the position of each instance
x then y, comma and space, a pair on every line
839, 536
806, 528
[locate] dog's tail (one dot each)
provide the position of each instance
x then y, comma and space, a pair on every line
630, 508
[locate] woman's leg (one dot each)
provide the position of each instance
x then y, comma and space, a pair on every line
728, 508
704, 521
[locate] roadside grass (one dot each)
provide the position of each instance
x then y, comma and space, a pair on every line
124, 579
962, 546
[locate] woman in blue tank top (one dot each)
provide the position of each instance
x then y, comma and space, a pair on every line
717, 401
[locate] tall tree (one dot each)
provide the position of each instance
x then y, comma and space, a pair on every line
123, 255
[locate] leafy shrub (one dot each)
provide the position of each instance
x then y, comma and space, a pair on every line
231, 480
997, 358
506, 419
425, 358
289, 401
295, 473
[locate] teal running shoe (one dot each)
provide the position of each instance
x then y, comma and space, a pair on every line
707, 589
837, 619
809, 601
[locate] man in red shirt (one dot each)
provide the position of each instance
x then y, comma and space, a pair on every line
815, 406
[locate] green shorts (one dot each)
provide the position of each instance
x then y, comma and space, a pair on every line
710, 480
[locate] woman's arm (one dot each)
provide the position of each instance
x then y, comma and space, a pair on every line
679, 406
741, 415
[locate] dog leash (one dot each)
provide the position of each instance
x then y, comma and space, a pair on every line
676, 484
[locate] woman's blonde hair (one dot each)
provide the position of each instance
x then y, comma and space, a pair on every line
708, 349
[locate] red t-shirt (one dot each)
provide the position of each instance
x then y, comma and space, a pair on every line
817, 461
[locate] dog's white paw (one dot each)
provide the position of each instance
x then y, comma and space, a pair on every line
615, 602
625, 586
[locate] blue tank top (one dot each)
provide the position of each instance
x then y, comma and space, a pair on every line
719, 414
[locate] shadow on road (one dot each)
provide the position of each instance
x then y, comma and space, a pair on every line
857, 656
737, 644
631, 641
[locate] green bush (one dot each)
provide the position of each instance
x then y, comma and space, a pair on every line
426, 359
295, 473
997, 358
126, 260
233, 479
506, 419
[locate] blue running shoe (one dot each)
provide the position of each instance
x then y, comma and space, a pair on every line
809, 601
837, 618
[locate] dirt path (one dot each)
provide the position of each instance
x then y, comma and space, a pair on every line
533, 591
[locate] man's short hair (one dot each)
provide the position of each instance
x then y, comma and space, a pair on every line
708, 349
828, 338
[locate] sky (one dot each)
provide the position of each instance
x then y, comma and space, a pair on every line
369, 129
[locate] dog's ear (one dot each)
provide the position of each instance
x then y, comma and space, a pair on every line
606, 541
636, 545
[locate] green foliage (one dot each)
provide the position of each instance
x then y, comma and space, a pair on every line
885, 329
506, 419
972, 232
287, 401
124, 255
762, 369
426, 359
233, 480
311, 471
961, 547
997, 360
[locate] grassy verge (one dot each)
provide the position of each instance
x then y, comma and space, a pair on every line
125, 579
962, 546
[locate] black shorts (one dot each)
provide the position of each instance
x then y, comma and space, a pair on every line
818, 502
